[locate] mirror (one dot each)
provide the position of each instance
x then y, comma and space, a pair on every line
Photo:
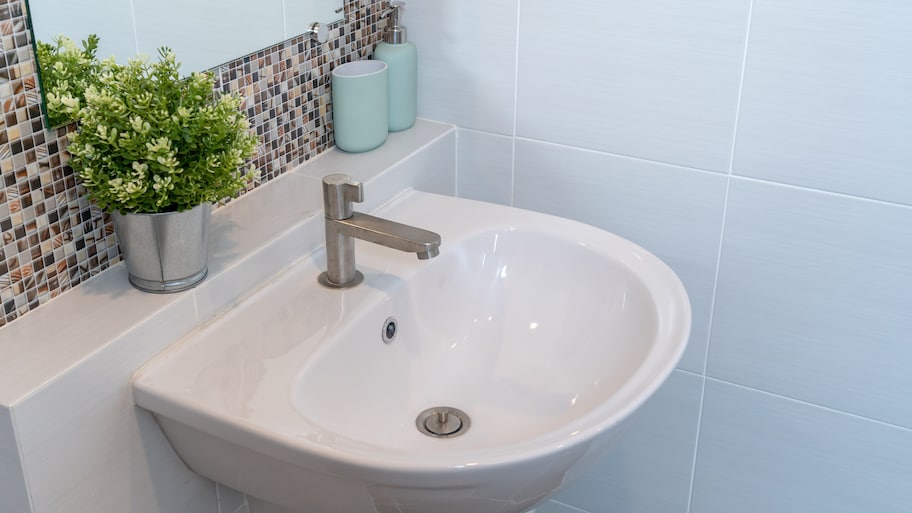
202, 33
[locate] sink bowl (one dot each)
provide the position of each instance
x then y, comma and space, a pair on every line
546, 333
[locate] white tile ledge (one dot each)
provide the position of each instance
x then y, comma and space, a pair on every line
279, 216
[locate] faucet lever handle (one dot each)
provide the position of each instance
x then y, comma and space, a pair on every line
339, 192
353, 191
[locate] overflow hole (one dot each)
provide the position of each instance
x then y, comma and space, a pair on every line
390, 329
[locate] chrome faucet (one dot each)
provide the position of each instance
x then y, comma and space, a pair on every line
344, 225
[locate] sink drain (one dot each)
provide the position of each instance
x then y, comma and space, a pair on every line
443, 422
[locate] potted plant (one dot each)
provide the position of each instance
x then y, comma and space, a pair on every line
156, 149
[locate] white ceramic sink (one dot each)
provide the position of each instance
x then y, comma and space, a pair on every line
547, 333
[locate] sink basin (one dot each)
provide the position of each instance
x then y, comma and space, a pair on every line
545, 332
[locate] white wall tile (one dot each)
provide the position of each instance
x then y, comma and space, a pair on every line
673, 212
813, 299
484, 167
13, 493
423, 157
431, 170
87, 449
760, 453
466, 61
656, 80
827, 96
648, 468
233, 28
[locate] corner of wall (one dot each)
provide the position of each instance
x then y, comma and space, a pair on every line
13, 487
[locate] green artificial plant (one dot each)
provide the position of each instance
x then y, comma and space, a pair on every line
149, 140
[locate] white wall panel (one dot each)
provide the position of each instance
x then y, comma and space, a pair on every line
760, 453
828, 97
654, 79
813, 299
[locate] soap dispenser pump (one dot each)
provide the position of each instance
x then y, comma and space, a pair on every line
401, 57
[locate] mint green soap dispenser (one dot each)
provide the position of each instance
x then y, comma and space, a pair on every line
401, 57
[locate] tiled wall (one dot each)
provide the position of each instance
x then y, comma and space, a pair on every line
52, 238
761, 148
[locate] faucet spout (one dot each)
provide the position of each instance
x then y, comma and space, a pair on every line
391, 234
343, 226
429, 254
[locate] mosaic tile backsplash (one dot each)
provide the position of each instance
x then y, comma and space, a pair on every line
53, 238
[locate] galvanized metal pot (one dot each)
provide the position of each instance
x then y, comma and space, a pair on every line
165, 252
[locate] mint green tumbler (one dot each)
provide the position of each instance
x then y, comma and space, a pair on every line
360, 96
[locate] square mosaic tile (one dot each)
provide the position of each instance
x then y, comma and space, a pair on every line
53, 239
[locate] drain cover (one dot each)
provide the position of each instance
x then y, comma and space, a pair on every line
443, 422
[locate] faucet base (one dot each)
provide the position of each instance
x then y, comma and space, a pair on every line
323, 279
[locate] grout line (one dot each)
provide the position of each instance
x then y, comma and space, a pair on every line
823, 192
715, 173
196, 308
731, 160
715, 295
515, 107
712, 303
513, 172
812, 405
623, 156
135, 32
484, 132
568, 506
685, 371
243, 507
712, 313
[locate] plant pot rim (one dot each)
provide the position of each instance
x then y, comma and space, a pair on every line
119, 212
